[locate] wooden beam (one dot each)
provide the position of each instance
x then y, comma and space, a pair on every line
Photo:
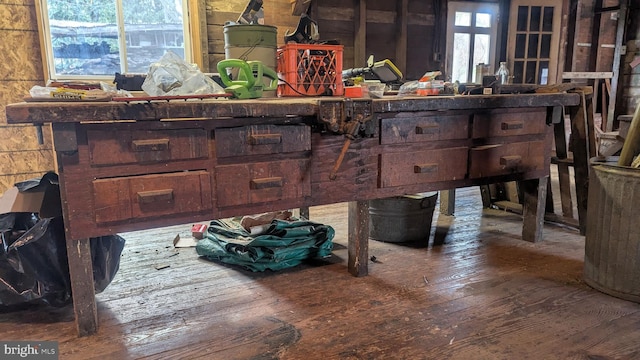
360, 36
587, 75
401, 34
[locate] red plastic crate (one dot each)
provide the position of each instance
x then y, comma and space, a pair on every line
309, 69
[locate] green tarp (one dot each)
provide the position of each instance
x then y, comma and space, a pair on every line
284, 244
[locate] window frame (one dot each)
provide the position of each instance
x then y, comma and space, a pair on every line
192, 41
473, 7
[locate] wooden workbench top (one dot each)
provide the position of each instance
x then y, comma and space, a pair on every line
46, 112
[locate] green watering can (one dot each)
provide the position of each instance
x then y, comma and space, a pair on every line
250, 83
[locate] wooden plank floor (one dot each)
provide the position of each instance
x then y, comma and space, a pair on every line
478, 293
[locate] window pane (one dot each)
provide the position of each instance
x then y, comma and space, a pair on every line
463, 19
534, 25
544, 72
461, 50
152, 27
518, 72
547, 21
521, 44
483, 20
481, 48
523, 16
545, 46
533, 46
530, 72
84, 37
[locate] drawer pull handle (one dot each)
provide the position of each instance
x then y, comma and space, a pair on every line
155, 196
150, 145
510, 161
265, 139
266, 183
425, 168
427, 129
512, 125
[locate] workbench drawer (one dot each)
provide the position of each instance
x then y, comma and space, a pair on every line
262, 139
407, 168
139, 197
424, 128
509, 122
503, 159
118, 147
261, 182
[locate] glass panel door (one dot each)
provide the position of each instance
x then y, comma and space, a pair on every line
534, 41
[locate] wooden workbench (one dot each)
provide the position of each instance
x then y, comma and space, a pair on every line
139, 165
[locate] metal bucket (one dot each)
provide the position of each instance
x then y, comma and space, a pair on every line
252, 42
402, 218
612, 243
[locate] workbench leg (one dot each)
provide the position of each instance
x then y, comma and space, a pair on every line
358, 238
304, 213
564, 180
82, 287
583, 148
448, 202
533, 209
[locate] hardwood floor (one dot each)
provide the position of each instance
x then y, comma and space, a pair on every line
475, 291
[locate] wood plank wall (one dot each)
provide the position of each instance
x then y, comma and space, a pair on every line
276, 13
630, 96
383, 19
21, 157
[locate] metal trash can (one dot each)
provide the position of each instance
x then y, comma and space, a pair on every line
402, 218
612, 243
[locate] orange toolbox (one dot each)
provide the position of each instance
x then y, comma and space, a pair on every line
310, 70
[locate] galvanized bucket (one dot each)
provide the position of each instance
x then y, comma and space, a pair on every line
402, 218
612, 243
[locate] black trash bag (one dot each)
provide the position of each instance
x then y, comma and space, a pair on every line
34, 263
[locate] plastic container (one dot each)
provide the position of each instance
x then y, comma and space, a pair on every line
310, 69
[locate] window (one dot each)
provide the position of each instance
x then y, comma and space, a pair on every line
95, 39
471, 37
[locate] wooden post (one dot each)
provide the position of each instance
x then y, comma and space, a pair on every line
534, 196
358, 238
401, 34
360, 36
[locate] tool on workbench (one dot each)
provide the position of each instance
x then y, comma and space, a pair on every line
252, 14
306, 31
383, 70
250, 83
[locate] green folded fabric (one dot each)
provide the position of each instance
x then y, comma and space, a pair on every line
284, 244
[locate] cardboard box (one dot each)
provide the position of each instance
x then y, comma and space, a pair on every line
43, 198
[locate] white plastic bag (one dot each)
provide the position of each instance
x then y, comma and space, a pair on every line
174, 76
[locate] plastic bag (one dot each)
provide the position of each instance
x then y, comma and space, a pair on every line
173, 76
34, 264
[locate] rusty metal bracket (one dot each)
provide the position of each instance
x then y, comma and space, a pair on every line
338, 116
